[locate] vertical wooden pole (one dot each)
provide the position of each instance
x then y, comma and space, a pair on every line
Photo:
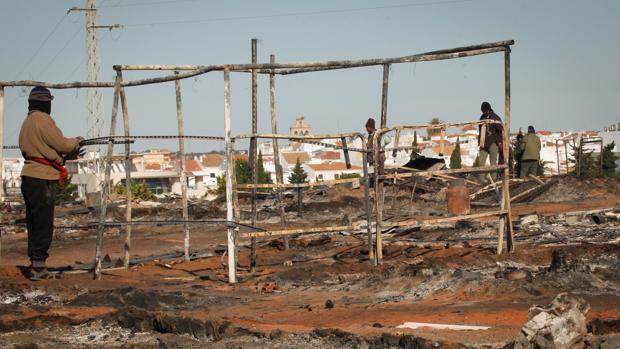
396, 141
442, 141
300, 201
106, 182
182, 170
579, 157
276, 149
600, 162
384, 95
2, 143
253, 151
506, 220
231, 232
565, 155
557, 155
379, 196
345, 151
128, 192
371, 251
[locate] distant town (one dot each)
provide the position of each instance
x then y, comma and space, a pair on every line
159, 169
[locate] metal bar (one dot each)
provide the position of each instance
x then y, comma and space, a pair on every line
253, 164
183, 167
128, 193
231, 233
276, 150
106, 182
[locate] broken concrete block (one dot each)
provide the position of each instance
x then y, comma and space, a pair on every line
560, 325
529, 219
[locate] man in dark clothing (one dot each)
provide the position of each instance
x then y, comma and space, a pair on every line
531, 153
45, 149
489, 139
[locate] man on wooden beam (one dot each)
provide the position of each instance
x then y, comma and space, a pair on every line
490, 139
45, 149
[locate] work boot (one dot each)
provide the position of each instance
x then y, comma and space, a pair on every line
37, 274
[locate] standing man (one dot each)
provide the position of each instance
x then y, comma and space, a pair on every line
489, 139
45, 149
531, 153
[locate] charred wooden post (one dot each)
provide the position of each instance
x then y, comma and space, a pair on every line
253, 151
384, 95
183, 167
379, 195
106, 182
345, 151
566, 155
1, 143
579, 157
300, 201
128, 193
506, 220
371, 252
231, 232
396, 141
276, 150
557, 154
442, 141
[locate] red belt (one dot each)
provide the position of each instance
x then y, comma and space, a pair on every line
63, 170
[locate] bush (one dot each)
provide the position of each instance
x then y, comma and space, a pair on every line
455, 158
139, 190
298, 176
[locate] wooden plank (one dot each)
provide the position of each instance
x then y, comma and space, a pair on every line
418, 222
289, 232
450, 171
299, 185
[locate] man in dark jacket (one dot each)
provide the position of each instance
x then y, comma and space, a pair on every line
489, 139
531, 153
45, 149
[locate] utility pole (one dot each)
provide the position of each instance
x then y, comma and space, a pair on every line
94, 96
94, 104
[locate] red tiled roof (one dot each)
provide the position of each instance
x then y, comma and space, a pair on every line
469, 128
291, 158
192, 166
329, 155
544, 133
152, 166
333, 166
241, 157
212, 160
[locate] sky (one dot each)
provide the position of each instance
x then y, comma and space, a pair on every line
564, 62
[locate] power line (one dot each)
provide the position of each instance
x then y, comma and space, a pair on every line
60, 51
36, 52
292, 14
147, 3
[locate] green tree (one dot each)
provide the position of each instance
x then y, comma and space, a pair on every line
585, 164
65, 192
298, 175
414, 151
433, 131
455, 158
609, 160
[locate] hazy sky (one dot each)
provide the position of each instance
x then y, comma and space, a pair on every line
565, 61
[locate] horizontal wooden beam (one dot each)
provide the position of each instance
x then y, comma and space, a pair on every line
298, 185
418, 222
301, 231
294, 138
451, 171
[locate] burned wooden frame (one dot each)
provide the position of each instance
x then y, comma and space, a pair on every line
272, 68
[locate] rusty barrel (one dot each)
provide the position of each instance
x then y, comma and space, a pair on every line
457, 197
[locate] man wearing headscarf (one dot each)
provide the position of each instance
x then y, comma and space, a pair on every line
489, 138
45, 149
531, 153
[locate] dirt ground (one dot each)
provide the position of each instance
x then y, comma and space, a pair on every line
322, 292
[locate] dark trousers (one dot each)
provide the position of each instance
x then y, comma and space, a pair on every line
529, 167
39, 195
